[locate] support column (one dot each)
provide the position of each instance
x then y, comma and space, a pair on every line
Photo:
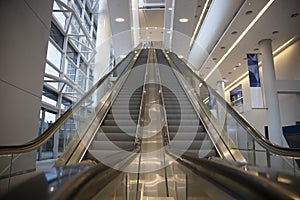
269, 79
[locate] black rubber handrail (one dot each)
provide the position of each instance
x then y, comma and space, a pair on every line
92, 181
256, 135
47, 134
236, 182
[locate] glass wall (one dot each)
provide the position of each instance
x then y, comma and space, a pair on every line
69, 66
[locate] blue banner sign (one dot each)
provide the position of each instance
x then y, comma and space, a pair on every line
253, 70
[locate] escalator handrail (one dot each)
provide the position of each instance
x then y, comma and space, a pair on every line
47, 134
257, 136
99, 176
235, 180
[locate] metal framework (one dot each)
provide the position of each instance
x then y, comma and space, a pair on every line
70, 60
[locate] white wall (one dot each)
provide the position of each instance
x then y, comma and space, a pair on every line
25, 28
286, 68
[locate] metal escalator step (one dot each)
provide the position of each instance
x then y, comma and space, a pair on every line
126, 106
176, 101
126, 122
175, 96
116, 129
178, 106
122, 116
183, 122
115, 136
179, 111
124, 111
120, 102
181, 116
129, 96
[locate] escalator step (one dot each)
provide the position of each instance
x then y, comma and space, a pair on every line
179, 111
119, 122
181, 116
115, 129
183, 122
124, 111
115, 136
122, 116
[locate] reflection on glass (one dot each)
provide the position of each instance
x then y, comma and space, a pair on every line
231, 130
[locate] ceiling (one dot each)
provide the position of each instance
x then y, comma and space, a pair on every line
280, 22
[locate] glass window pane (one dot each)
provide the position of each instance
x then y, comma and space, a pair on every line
71, 52
70, 70
56, 35
53, 55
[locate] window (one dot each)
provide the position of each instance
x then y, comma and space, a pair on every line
71, 70
87, 24
71, 52
88, 12
83, 66
56, 35
77, 7
236, 96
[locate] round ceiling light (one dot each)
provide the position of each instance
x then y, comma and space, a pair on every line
183, 20
119, 19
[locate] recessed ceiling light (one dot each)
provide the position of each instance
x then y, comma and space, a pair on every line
180, 56
294, 15
119, 19
183, 20
249, 12
155, 27
275, 32
234, 68
226, 80
168, 32
170, 8
240, 64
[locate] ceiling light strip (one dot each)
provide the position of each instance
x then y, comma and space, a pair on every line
240, 37
275, 53
199, 22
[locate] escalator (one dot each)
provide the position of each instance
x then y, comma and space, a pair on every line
124, 112
153, 139
187, 133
